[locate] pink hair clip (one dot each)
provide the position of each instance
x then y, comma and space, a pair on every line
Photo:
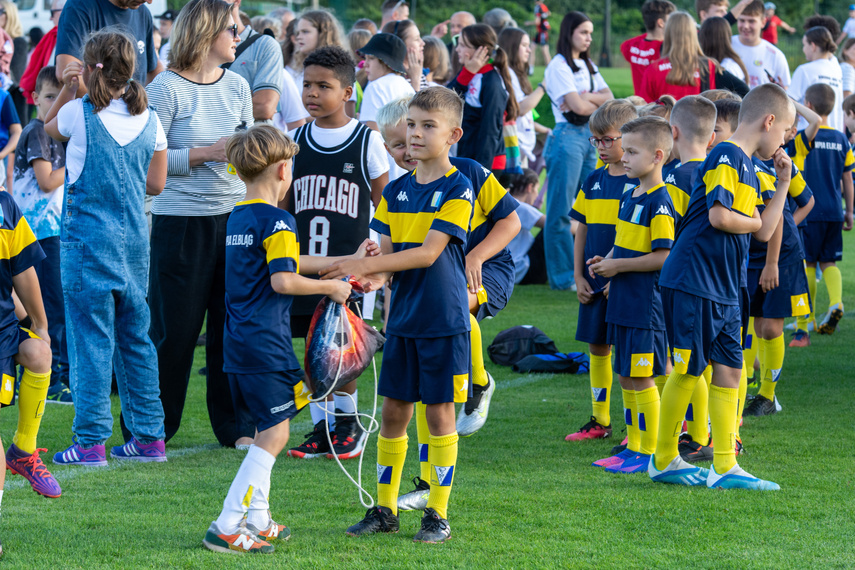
99, 65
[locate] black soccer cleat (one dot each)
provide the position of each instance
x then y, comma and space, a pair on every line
316, 444
349, 438
692, 452
377, 519
435, 529
760, 406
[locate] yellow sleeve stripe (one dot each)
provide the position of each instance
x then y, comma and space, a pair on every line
679, 198
579, 204
850, 159
490, 195
744, 196
767, 182
382, 212
801, 152
406, 227
282, 244
662, 227
797, 185
456, 212
13, 242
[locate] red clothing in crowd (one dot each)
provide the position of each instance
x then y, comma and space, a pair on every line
770, 31
38, 61
654, 84
640, 53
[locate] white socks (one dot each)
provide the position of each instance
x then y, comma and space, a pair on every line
249, 492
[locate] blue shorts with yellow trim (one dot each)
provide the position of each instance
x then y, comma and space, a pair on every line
701, 331
639, 353
427, 370
823, 241
8, 369
789, 299
497, 284
272, 397
592, 327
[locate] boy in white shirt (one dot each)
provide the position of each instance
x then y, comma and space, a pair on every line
764, 62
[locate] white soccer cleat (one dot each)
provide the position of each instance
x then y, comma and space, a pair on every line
678, 472
473, 414
738, 478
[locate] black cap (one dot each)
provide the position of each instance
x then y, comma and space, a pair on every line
388, 48
170, 15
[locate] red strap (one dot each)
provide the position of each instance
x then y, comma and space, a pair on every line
465, 76
712, 73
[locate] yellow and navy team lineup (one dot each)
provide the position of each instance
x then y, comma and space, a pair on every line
200, 173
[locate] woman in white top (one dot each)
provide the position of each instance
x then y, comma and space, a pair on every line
200, 106
821, 67
573, 84
847, 58
517, 45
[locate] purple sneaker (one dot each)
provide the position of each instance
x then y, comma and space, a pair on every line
635, 464
31, 467
136, 451
614, 459
78, 455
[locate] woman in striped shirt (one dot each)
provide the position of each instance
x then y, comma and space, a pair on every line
199, 105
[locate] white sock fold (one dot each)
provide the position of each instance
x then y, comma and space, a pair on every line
249, 490
345, 403
318, 415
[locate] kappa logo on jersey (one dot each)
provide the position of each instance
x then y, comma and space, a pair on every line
384, 474
596, 186
642, 362
327, 193
348, 168
670, 179
402, 197
486, 172
723, 159
757, 169
466, 195
443, 475
744, 168
663, 210
681, 359
280, 225
600, 394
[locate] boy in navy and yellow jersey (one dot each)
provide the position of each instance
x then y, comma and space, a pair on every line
423, 219
19, 346
692, 124
701, 287
825, 162
636, 321
262, 263
493, 217
777, 285
596, 210
338, 178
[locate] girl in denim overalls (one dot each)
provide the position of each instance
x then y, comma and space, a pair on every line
116, 154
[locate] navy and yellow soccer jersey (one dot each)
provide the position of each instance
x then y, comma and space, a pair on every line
433, 301
823, 163
704, 261
19, 250
679, 181
260, 240
645, 223
597, 206
492, 203
799, 194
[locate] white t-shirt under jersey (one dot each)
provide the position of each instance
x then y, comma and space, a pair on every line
820, 71
762, 58
121, 125
329, 138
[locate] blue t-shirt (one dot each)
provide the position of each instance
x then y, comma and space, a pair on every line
430, 302
81, 17
680, 181
645, 223
823, 163
798, 194
8, 116
704, 261
596, 206
260, 240
19, 251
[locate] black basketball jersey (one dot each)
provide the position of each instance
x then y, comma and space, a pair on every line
330, 198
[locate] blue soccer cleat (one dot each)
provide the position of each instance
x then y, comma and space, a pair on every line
678, 472
738, 478
614, 459
635, 464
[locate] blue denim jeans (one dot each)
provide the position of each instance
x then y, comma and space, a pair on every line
569, 159
50, 284
104, 256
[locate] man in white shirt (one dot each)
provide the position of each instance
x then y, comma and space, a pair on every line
764, 62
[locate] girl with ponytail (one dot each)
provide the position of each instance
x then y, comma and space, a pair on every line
116, 155
485, 84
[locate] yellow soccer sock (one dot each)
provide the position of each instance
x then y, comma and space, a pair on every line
391, 454
479, 373
697, 413
741, 393
647, 402
601, 387
773, 362
423, 435
443, 458
31, 407
723, 403
660, 383
630, 416
752, 345
675, 399
707, 375
802, 322
834, 284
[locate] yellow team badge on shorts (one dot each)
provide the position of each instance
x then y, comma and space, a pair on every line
7, 389
681, 359
800, 304
461, 388
642, 365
